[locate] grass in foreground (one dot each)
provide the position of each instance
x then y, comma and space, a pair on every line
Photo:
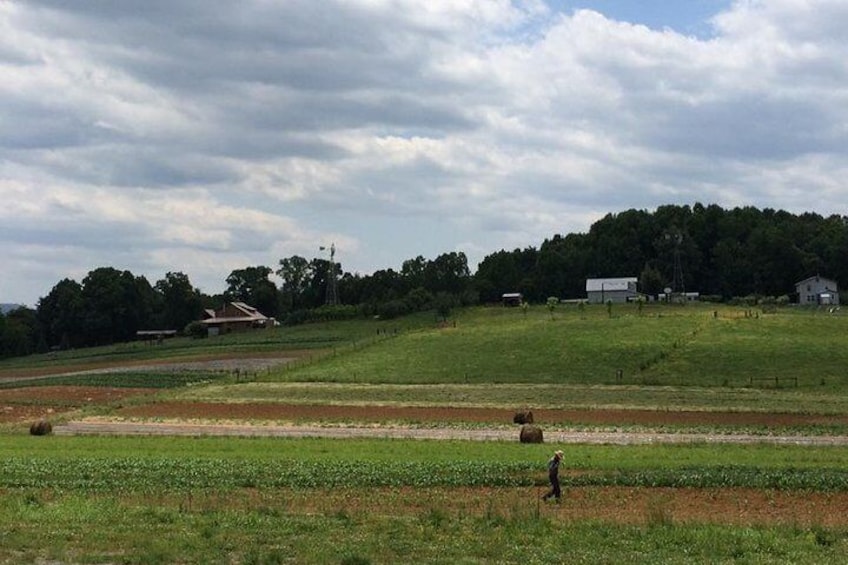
37, 527
222, 500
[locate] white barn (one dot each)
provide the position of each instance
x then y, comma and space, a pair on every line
601, 291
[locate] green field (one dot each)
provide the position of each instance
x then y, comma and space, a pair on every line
237, 500
695, 345
163, 500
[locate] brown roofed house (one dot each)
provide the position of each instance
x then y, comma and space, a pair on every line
233, 317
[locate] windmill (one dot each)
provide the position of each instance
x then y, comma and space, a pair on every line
332, 292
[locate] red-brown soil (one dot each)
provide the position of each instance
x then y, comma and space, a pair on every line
622, 505
379, 414
31, 403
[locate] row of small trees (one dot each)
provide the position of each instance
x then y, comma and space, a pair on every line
110, 305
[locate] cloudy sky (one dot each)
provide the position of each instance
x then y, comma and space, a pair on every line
205, 136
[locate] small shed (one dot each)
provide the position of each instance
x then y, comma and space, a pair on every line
512, 298
155, 335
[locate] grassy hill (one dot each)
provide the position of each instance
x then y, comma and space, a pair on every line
694, 357
695, 345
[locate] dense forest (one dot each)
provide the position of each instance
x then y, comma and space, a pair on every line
743, 253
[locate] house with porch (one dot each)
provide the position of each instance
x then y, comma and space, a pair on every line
233, 317
817, 291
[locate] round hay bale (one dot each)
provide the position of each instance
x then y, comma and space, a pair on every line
41, 428
525, 417
531, 434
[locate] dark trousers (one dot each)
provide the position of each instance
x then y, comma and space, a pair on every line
555, 490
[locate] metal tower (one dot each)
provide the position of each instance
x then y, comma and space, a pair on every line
332, 291
678, 285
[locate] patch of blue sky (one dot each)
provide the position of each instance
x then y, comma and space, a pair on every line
687, 17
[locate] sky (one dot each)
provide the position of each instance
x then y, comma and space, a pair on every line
202, 137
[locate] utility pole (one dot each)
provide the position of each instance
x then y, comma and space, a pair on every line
678, 284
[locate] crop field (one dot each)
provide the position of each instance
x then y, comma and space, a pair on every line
706, 371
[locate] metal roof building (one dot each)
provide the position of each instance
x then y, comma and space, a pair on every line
621, 289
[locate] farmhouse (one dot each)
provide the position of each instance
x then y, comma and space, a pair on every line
234, 316
817, 291
601, 291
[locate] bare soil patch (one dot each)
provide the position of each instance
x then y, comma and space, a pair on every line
32, 403
620, 505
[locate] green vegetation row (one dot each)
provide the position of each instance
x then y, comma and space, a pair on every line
338, 452
146, 464
161, 380
129, 474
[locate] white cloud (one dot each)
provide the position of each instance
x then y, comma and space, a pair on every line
166, 136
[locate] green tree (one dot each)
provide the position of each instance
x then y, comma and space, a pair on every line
115, 305
444, 303
60, 315
414, 271
294, 271
182, 302
651, 281
447, 273
252, 286
19, 333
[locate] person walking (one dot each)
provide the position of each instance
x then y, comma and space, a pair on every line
553, 475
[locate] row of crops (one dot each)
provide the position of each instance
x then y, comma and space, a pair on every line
160, 380
132, 474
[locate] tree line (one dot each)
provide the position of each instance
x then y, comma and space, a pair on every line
722, 254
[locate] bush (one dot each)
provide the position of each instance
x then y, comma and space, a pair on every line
196, 330
329, 313
392, 309
469, 297
419, 299
444, 303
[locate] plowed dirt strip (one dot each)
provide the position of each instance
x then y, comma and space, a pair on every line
616, 438
378, 414
33, 403
623, 505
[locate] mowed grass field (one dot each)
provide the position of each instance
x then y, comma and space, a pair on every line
263, 500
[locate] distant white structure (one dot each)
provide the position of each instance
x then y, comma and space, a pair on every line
622, 289
817, 291
512, 298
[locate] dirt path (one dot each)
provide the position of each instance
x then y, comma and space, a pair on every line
91, 427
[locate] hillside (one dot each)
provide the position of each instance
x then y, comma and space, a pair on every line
5, 308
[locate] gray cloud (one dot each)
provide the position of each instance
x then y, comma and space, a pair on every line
186, 135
